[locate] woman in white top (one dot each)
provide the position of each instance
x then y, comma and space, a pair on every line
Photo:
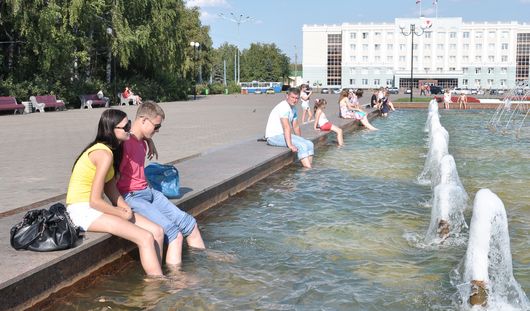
447, 99
305, 95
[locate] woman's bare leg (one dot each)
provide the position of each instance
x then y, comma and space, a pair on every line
367, 124
129, 231
156, 230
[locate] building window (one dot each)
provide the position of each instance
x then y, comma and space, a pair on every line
491, 58
465, 34
439, 69
365, 35
352, 81
365, 59
353, 35
377, 47
477, 82
353, 46
478, 58
452, 69
427, 46
402, 47
389, 59
427, 59
415, 58
478, 46
353, 59
334, 62
402, 59
491, 34
377, 59
389, 34
440, 58
491, 46
478, 34
389, 47
365, 82
465, 47
491, 70
427, 34
426, 69
440, 46
504, 34
504, 58
465, 69
504, 70
464, 82
478, 70
452, 46
452, 59
365, 47
504, 46
377, 82
465, 58
452, 34
503, 82
388, 81
490, 82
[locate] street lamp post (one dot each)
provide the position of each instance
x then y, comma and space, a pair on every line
196, 49
412, 32
240, 19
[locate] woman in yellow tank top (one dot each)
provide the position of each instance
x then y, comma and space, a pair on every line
93, 176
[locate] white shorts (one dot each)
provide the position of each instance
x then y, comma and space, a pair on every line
83, 215
305, 105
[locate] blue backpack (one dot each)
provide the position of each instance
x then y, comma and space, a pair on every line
164, 178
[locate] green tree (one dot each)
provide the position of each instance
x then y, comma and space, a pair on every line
264, 62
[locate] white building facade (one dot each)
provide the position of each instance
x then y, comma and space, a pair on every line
450, 53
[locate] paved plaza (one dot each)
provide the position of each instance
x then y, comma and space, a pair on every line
39, 149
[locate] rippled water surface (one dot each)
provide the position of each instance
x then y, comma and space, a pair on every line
342, 236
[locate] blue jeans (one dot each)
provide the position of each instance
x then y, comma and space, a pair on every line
305, 147
153, 205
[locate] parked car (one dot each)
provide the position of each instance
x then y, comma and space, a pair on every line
393, 90
474, 91
408, 91
324, 91
258, 91
269, 91
434, 89
335, 90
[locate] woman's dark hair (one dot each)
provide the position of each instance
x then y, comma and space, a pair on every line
110, 118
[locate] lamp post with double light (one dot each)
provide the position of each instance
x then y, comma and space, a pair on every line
196, 49
413, 31
240, 19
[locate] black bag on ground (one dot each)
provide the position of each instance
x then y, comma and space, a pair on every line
45, 230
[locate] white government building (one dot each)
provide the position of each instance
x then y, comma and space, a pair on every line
450, 53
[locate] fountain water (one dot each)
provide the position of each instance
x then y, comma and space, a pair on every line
484, 277
438, 148
448, 203
511, 115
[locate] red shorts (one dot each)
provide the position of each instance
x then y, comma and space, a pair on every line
326, 126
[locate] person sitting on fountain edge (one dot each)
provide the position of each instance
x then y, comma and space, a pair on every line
278, 130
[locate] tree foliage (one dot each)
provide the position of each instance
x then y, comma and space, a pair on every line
63, 47
264, 62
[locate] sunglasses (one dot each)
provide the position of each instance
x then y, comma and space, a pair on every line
157, 126
126, 128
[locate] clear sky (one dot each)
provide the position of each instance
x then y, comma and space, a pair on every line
281, 21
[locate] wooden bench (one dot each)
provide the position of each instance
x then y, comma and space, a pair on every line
10, 103
49, 101
91, 100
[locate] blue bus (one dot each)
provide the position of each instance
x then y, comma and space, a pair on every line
251, 87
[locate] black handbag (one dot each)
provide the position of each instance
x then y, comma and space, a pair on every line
45, 230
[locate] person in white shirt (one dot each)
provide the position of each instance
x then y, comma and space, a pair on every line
278, 131
447, 99
305, 95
